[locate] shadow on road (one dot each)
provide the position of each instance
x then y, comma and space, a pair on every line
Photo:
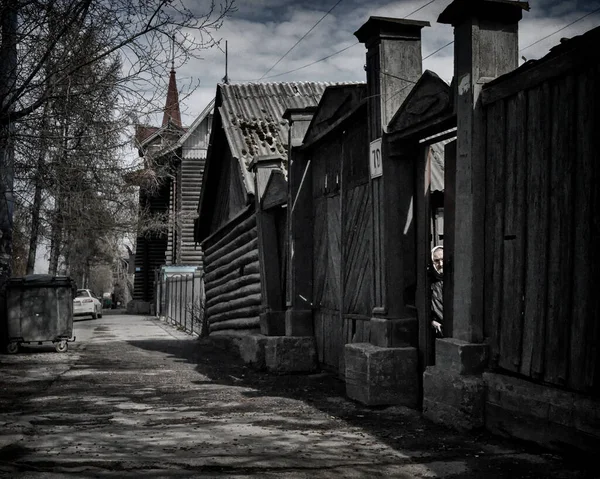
400, 428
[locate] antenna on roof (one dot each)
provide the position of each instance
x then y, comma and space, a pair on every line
226, 77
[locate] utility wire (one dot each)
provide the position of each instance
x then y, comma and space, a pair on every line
420, 8
560, 29
311, 64
301, 38
264, 77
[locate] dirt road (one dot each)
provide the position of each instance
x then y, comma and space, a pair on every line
134, 397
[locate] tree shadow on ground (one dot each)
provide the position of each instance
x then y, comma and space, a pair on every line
400, 428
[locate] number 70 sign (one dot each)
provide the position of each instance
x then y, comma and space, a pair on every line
375, 165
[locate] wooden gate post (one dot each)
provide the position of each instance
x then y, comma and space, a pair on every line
272, 317
299, 279
385, 371
486, 46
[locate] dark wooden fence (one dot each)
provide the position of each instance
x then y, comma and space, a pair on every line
542, 221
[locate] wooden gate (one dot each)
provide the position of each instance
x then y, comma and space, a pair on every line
542, 223
327, 254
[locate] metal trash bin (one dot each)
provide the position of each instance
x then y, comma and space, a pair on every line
40, 309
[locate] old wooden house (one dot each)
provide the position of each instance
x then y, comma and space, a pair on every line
176, 154
520, 351
245, 174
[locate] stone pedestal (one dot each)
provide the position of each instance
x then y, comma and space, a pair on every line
453, 389
285, 354
278, 354
393, 333
299, 323
382, 376
272, 323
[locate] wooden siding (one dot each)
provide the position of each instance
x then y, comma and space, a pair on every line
542, 230
342, 268
232, 277
230, 197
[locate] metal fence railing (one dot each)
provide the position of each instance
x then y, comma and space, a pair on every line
182, 302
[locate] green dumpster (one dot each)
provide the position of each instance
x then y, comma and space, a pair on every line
39, 309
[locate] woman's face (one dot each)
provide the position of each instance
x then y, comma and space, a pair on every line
438, 260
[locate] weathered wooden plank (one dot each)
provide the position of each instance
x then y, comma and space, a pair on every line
247, 312
241, 302
511, 332
240, 291
231, 255
422, 236
318, 325
242, 261
356, 254
238, 323
496, 143
241, 240
560, 257
244, 225
544, 71
332, 289
592, 360
536, 263
232, 283
582, 207
249, 269
319, 250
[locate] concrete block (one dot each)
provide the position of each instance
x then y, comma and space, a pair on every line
382, 376
394, 333
460, 356
251, 349
453, 399
272, 323
284, 354
299, 323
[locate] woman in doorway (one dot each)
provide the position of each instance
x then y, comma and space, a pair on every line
437, 289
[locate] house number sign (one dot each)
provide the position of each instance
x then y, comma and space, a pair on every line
375, 165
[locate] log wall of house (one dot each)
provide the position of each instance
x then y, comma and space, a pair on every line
232, 277
542, 230
151, 247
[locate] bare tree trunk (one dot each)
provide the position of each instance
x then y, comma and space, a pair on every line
8, 70
35, 213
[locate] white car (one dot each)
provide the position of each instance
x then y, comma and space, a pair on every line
85, 304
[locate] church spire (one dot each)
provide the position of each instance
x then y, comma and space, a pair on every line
172, 111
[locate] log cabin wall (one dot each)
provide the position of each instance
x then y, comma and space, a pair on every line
542, 227
150, 247
232, 277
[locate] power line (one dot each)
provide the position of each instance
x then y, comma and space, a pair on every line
420, 8
438, 50
328, 56
560, 29
301, 38
311, 64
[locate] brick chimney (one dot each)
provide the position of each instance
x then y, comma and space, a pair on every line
394, 65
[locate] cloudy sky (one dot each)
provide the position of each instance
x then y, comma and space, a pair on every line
260, 32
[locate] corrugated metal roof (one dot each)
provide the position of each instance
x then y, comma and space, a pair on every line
252, 115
